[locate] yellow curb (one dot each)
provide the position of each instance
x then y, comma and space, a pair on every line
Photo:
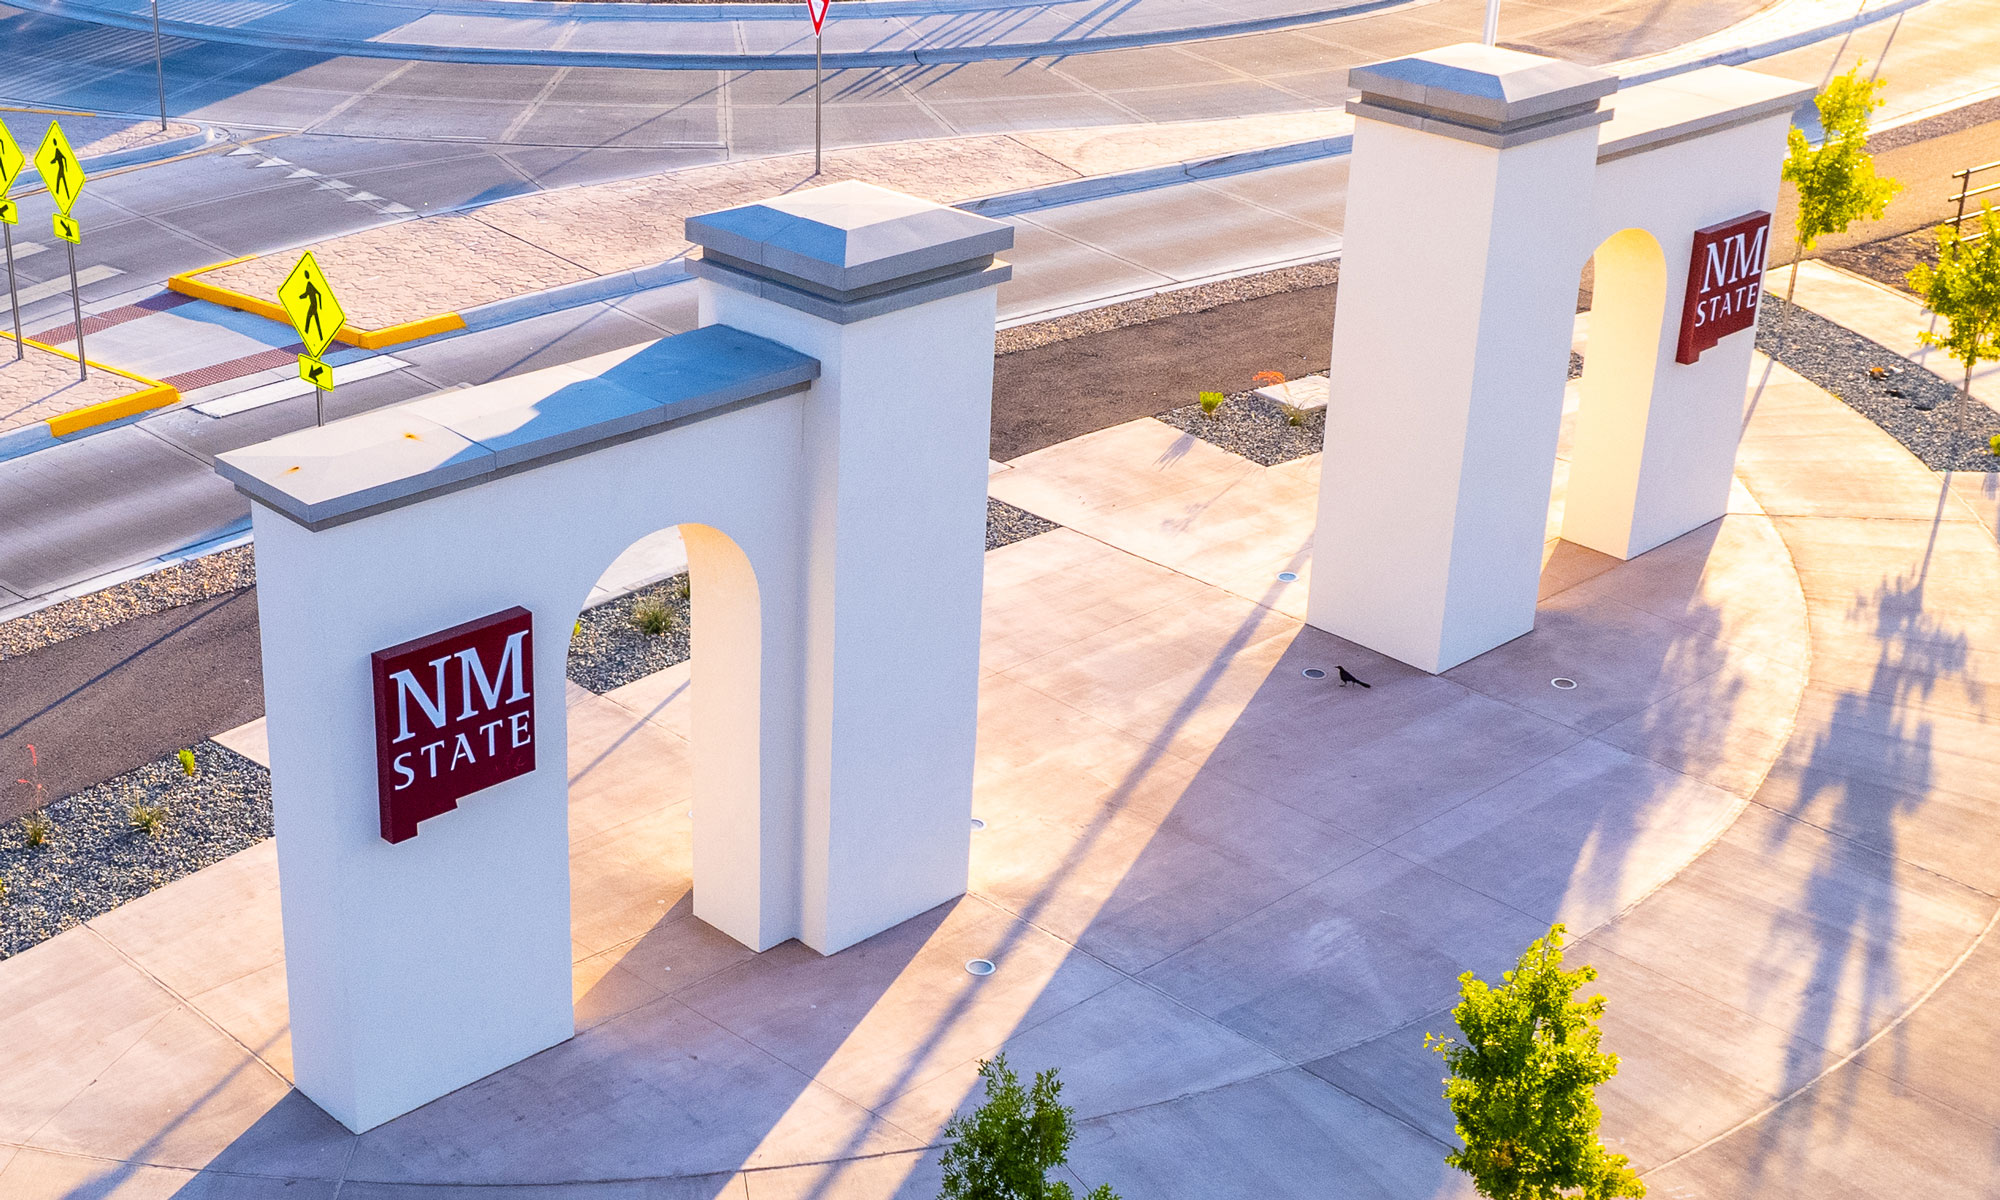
151, 394
367, 339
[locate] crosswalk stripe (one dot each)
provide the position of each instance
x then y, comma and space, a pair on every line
27, 249
60, 284
285, 389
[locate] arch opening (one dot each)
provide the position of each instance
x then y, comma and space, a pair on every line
1621, 354
669, 644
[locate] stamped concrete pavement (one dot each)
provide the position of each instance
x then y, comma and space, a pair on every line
1226, 899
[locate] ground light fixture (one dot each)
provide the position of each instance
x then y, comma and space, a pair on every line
1313, 673
977, 824
1288, 577
1562, 683
978, 966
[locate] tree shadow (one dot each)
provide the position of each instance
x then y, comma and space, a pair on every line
1867, 771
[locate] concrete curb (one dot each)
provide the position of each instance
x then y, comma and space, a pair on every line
207, 136
1736, 56
151, 394
571, 295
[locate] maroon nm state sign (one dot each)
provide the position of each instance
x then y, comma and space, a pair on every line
1724, 282
454, 713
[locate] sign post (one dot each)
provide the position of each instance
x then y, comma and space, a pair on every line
308, 300
817, 8
64, 175
11, 162
160, 66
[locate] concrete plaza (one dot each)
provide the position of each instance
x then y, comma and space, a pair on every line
1225, 898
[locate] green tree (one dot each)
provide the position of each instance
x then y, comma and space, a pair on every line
1005, 1149
1836, 181
1523, 1084
1964, 289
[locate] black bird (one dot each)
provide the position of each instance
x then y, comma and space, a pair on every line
1346, 678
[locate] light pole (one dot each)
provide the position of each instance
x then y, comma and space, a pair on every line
1491, 35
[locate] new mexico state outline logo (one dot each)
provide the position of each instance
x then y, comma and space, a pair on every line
454, 714
1725, 278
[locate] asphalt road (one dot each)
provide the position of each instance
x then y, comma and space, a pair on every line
96, 706
431, 137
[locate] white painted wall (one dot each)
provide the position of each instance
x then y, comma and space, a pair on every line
896, 437
836, 544
418, 967
1656, 440
1450, 350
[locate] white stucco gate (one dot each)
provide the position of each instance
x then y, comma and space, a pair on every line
822, 443
1482, 181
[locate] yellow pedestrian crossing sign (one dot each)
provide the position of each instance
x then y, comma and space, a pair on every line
68, 230
315, 372
310, 303
11, 158
10, 212
59, 168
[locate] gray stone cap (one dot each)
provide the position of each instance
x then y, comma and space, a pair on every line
849, 240
1652, 115
1482, 85
405, 453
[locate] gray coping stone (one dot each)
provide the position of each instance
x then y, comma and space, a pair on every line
1651, 115
849, 239
983, 273
1482, 94
1487, 84
408, 452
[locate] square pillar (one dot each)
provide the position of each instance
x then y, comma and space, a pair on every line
1469, 205
895, 296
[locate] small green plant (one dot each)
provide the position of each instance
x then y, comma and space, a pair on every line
1964, 289
37, 829
147, 818
1210, 401
682, 590
1294, 415
1836, 180
576, 630
1523, 1083
186, 758
1005, 1149
1993, 445
652, 618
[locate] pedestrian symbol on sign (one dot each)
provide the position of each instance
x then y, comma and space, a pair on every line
59, 168
309, 301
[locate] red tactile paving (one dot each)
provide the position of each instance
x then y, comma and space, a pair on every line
55, 335
235, 368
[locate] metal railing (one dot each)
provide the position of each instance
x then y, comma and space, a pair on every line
1966, 192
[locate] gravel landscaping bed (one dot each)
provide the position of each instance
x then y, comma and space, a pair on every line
94, 859
170, 587
609, 651
1006, 524
1888, 261
1249, 425
1910, 404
